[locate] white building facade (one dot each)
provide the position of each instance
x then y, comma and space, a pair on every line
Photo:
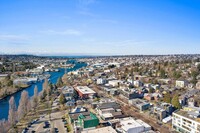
183, 124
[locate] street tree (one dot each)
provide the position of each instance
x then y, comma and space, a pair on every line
23, 105
62, 99
35, 98
167, 98
175, 102
12, 117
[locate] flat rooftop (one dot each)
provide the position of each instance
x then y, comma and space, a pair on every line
108, 129
128, 123
187, 114
85, 90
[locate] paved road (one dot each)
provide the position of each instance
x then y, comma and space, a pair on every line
56, 122
134, 112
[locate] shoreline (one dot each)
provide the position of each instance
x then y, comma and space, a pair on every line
5, 99
18, 90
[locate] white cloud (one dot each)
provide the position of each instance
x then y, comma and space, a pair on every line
7, 37
127, 43
65, 32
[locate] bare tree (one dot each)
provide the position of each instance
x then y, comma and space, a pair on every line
4, 126
45, 84
36, 91
35, 98
46, 89
12, 117
23, 108
28, 106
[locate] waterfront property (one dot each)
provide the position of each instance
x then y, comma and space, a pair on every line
4, 103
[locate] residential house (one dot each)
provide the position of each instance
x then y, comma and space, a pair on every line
198, 85
68, 92
181, 83
152, 96
101, 81
114, 83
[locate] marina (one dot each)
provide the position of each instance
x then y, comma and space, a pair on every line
53, 77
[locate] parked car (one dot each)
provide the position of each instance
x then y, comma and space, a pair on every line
46, 124
29, 125
56, 130
32, 131
25, 130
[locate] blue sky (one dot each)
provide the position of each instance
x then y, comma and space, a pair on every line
100, 27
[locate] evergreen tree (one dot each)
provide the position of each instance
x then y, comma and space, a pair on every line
167, 98
162, 73
177, 75
175, 102
151, 90
62, 99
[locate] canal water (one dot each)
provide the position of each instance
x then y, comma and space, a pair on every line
4, 103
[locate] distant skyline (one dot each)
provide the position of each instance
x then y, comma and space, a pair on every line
99, 27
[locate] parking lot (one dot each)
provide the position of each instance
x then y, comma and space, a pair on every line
44, 125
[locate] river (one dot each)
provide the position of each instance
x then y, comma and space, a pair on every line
4, 103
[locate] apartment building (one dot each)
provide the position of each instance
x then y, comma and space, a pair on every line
186, 121
181, 83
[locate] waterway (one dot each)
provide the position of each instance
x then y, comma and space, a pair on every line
4, 103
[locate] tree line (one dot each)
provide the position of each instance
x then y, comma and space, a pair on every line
26, 104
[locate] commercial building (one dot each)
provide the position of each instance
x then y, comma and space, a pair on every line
140, 104
108, 129
129, 125
85, 92
186, 121
109, 110
114, 83
87, 121
159, 113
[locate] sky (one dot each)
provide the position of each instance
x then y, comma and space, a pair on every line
99, 27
